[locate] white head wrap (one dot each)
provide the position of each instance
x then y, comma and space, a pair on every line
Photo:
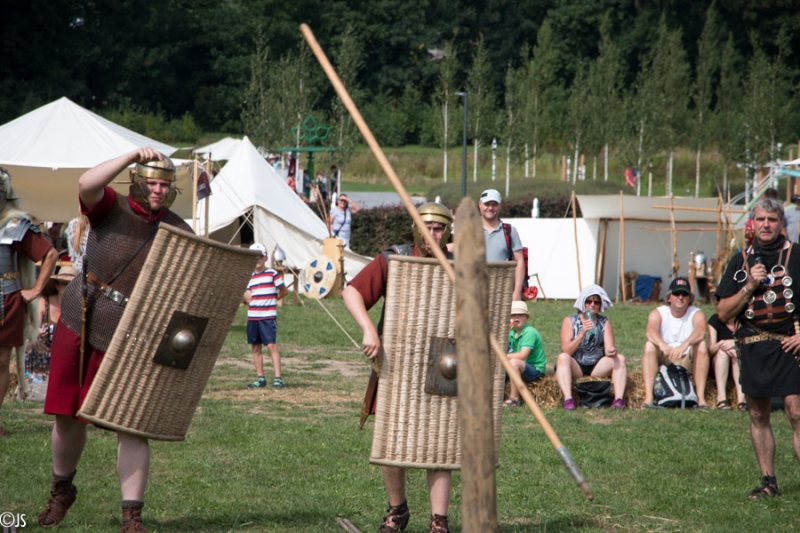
589, 290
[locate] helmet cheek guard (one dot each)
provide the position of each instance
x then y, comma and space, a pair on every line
433, 212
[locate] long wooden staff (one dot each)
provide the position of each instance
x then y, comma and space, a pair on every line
433, 245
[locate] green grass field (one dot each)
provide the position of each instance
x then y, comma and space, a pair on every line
293, 460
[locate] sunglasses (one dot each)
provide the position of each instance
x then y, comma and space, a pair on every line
592, 301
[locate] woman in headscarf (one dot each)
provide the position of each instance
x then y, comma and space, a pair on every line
588, 347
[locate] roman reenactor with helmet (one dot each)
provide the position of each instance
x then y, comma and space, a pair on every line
361, 294
21, 244
122, 231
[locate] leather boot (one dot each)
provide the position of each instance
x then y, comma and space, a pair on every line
132, 517
396, 520
439, 524
62, 496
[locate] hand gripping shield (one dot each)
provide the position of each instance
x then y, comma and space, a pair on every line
165, 346
416, 416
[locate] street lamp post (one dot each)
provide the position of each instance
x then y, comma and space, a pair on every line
464, 149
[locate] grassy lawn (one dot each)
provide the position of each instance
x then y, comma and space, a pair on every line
293, 460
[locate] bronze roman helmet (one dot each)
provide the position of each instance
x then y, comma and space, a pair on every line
433, 212
155, 170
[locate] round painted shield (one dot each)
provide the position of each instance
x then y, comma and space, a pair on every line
318, 277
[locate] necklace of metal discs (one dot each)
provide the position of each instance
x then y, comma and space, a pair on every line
776, 280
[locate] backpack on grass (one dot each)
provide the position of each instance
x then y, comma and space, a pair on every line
673, 388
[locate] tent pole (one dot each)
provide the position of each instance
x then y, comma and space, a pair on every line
577, 249
194, 195
622, 246
601, 257
209, 167
676, 265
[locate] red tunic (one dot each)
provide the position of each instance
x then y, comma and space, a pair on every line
33, 246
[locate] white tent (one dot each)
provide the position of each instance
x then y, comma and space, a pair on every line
648, 241
249, 186
221, 150
48, 149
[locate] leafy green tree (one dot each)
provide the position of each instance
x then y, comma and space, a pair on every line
728, 117
708, 58
482, 102
514, 90
578, 115
604, 94
348, 61
444, 102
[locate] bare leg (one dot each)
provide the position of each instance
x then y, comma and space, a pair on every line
5, 376
721, 365
68, 441
133, 465
566, 368
649, 370
439, 490
701, 365
276, 359
258, 359
791, 405
513, 393
617, 368
761, 434
394, 478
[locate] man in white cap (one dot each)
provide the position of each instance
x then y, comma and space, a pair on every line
264, 290
502, 240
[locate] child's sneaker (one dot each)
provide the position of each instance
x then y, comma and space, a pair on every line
277, 383
569, 404
257, 384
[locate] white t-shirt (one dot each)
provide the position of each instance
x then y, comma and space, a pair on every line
673, 330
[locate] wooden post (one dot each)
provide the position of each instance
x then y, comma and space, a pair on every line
194, 195
676, 264
622, 246
577, 248
478, 489
563, 168
601, 257
209, 168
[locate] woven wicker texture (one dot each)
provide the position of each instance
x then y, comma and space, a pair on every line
414, 429
183, 272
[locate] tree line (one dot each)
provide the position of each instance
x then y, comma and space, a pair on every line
638, 77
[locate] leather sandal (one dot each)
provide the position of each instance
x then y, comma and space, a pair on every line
724, 405
396, 520
768, 487
62, 496
439, 524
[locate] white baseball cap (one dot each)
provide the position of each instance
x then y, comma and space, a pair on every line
490, 195
260, 247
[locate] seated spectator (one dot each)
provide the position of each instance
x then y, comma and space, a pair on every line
525, 350
722, 350
676, 334
588, 347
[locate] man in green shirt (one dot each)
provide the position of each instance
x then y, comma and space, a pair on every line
525, 350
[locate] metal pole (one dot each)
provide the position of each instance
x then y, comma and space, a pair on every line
464, 149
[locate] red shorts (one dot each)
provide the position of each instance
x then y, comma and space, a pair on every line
64, 396
12, 329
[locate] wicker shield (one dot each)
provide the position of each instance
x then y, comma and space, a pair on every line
415, 428
165, 346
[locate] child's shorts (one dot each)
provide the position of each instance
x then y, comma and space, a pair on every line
262, 331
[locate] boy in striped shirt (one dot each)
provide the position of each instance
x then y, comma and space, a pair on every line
264, 290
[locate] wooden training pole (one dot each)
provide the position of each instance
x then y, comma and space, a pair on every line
577, 248
513, 375
478, 488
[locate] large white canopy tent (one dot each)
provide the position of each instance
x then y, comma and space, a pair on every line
222, 150
248, 186
648, 241
48, 149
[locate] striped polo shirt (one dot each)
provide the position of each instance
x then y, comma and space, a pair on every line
263, 288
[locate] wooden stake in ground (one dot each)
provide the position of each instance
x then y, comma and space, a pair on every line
622, 245
433, 245
577, 248
478, 490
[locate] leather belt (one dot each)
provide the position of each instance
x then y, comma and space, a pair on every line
106, 290
763, 336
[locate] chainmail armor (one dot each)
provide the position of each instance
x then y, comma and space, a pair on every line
110, 248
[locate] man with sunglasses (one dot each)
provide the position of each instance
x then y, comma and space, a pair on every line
676, 334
